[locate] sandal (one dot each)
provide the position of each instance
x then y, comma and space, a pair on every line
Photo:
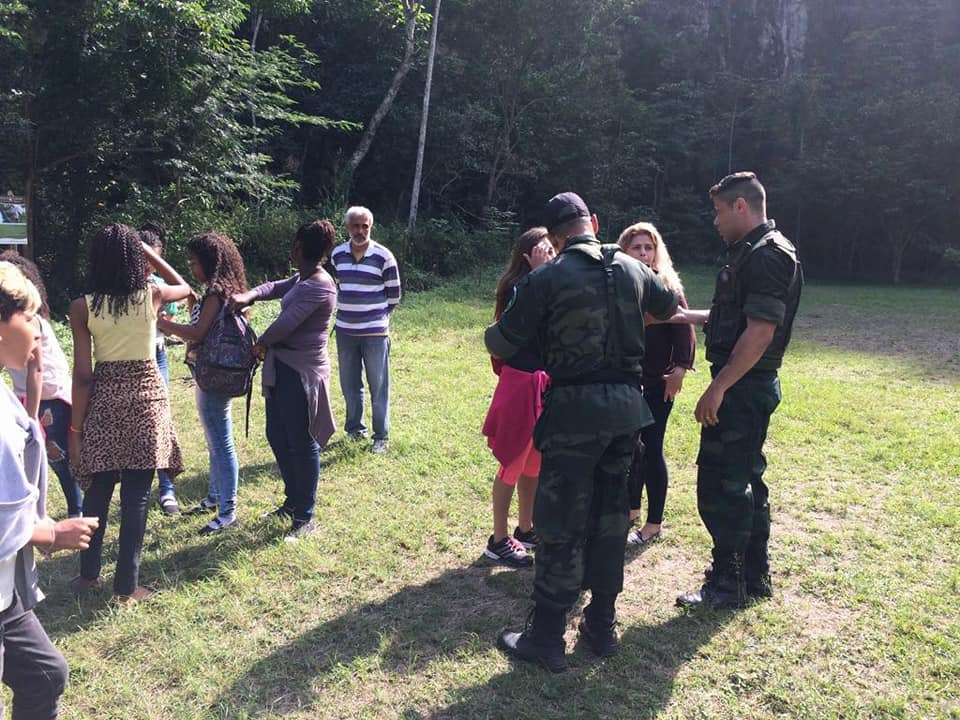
217, 526
139, 594
169, 505
202, 508
80, 584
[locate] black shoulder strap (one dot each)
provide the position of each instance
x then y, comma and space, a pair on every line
613, 349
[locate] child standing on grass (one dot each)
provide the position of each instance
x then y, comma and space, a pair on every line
216, 263
516, 404
44, 387
153, 234
121, 429
31, 666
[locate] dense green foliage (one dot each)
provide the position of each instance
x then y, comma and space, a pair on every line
247, 116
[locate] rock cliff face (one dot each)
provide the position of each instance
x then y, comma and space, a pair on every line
744, 34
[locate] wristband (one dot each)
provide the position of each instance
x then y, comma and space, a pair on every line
48, 551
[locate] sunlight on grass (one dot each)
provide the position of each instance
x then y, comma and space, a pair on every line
390, 613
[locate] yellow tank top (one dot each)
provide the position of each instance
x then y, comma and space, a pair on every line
128, 337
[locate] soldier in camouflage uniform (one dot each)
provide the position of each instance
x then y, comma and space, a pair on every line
747, 331
585, 312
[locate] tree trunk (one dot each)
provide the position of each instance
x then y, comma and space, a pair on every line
421, 143
410, 13
253, 51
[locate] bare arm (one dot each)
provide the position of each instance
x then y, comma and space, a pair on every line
748, 350
176, 287
194, 333
82, 374
683, 316
34, 384
69, 534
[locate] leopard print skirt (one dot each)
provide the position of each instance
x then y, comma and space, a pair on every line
128, 424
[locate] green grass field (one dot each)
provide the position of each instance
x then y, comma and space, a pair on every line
390, 612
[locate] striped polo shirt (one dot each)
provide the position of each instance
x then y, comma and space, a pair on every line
369, 289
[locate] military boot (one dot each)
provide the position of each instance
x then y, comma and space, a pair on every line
758, 586
725, 587
598, 626
541, 640
756, 569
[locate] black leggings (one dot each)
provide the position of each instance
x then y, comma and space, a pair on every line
134, 500
649, 466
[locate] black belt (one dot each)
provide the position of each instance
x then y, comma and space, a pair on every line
598, 377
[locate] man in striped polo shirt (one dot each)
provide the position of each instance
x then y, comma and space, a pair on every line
369, 290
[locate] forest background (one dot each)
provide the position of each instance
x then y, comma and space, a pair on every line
250, 117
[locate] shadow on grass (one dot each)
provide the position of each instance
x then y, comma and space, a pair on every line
174, 553
637, 683
459, 614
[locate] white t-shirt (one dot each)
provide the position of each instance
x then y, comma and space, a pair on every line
56, 371
19, 498
8, 569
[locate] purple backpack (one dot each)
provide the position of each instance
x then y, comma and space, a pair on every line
225, 362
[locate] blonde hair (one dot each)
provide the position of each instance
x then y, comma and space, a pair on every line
17, 294
662, 262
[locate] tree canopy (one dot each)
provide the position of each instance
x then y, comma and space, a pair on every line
195, 111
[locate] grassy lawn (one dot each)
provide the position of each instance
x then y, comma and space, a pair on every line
390, 612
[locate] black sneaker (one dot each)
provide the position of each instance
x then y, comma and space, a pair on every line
508, 551
300, 530
281, 512
528, 539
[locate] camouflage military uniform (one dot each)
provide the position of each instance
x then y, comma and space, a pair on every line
762, 279
593, 411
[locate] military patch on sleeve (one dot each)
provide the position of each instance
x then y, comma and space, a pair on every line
512, 301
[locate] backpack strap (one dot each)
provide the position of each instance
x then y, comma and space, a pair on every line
613, 346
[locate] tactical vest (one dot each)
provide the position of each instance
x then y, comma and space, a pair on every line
727, 320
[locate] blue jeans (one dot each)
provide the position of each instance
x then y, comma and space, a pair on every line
214, 411
371, 353
55, 418
296, 451
165, 484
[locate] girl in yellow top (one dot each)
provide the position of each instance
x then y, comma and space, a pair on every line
121, 429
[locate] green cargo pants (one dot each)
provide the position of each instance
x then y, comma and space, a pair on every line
581, 514
731, 494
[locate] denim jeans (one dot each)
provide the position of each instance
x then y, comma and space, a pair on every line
134, 499
55, 418
356, 353
31, 666
165, 483
296, 451
214, 411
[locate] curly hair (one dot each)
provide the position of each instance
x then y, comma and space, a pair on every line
221, 263
32, 273
117, 270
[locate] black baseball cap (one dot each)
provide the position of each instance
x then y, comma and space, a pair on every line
563, 208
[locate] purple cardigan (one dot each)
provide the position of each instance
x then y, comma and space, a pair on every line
298, 339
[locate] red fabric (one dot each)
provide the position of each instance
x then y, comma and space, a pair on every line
514, 408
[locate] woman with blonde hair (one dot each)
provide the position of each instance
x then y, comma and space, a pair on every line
669, 354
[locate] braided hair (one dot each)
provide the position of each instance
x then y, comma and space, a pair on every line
117, 269
221, 263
